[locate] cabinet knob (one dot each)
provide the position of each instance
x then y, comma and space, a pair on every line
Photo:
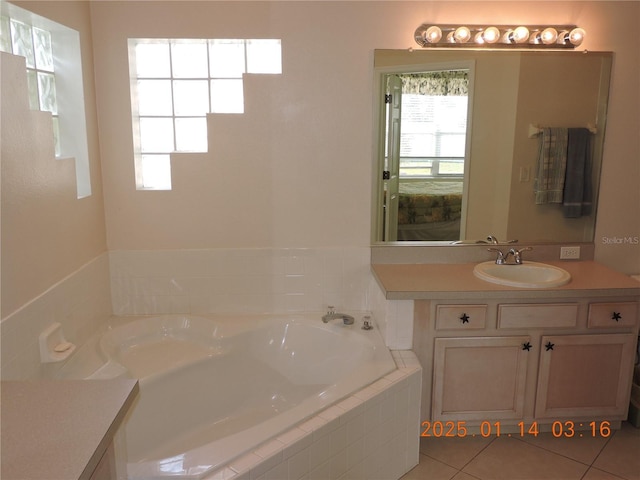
527, 346
464, 318
549, 346
616, 316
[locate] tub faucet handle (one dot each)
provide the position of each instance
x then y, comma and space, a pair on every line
366, 320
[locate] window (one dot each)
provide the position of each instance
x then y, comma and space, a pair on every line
54, 80
175, 84
434, 124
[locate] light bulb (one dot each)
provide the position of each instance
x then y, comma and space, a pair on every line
491, 35
432, 34
520, 35
462, 35
548, 36
576, 36
507, 36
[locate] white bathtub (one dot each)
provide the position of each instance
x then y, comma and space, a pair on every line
214, 389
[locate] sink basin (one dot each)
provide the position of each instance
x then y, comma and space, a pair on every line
526, 275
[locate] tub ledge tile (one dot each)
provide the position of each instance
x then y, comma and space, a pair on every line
245, 463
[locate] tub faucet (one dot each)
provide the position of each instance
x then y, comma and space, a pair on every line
332, 315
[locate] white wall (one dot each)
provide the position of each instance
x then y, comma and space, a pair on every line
295, 170
47, 233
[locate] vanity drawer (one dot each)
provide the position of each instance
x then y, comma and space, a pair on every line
455, 317
535, 315
620, 314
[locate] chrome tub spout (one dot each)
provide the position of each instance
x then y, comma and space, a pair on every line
332, 315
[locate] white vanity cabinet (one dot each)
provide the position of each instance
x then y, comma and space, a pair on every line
526, 360
584, 376
479, 378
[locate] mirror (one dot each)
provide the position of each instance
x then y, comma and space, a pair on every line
485, 181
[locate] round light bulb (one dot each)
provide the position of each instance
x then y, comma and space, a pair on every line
491, 35
478, 38
521, 35
549, 36
433, 34
462, 35
507, 36
576, 36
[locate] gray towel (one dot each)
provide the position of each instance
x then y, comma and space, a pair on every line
577, 184
552, 163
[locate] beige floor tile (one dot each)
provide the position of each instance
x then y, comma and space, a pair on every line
431, 469
454, 451
464, 476
508, 458
595, 474
621, 455
582, 447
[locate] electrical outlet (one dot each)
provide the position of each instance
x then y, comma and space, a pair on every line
569, 253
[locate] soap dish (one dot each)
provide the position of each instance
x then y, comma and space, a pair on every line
53, 346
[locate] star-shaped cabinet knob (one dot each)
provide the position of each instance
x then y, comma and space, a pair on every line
464, 318
549, 346
616, 316
526, 346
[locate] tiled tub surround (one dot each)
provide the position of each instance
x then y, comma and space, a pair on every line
362, 425
370, 435
81, 303
244, 281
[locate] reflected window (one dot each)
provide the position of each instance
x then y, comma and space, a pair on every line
425, 133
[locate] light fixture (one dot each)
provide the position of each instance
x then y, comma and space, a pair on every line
499, 36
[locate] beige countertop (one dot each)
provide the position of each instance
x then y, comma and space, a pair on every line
457, 281
59, 429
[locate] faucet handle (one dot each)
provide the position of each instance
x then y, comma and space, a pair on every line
502, 257
494, 240
331, 309
517, 254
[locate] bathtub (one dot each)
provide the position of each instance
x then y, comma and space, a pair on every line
212, 390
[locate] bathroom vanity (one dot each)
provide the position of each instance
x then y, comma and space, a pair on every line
505, 359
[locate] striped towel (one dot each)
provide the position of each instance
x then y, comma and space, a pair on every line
551, 167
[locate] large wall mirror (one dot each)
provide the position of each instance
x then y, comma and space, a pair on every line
464, 141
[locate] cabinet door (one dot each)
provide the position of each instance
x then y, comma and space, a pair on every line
480, 378
585, 376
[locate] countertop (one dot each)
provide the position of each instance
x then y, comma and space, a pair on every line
59, 429
457, 281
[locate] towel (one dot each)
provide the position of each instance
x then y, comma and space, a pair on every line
577, 197
552, 163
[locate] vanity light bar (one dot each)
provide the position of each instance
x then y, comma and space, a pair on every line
499, 36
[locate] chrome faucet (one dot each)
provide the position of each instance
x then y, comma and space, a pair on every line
494, 240
517, 254
332, 315
502, 257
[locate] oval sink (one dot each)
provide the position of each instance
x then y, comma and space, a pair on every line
525, 275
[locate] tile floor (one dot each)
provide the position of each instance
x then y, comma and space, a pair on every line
531, 458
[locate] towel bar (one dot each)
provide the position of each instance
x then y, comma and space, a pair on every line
535, 130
